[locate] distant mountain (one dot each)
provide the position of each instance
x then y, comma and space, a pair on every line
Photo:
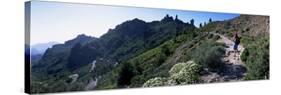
41, 47
59, 52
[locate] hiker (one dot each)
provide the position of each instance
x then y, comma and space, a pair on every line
236, 40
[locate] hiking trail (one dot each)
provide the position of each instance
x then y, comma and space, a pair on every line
234, 69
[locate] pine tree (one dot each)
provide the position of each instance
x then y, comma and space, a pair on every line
192, 21
210, 20
167, 16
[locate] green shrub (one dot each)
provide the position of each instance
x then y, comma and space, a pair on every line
256, 58
126, 73
209, 55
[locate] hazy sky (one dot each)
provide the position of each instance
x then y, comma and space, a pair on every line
54, 21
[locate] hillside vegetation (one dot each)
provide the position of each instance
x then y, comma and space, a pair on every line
158, 53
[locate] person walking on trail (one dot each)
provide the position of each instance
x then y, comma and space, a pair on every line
236, 40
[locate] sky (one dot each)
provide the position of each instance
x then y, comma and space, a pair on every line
59, 22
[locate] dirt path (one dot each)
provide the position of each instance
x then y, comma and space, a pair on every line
234, 69
92, 84
229, 57
93, 66
73, 77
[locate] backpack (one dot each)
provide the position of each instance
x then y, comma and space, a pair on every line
237, 40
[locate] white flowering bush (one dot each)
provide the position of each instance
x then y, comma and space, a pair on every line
176, 68
181, 73
187, 73
158, 81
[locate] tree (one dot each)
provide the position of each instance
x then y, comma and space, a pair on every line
192, 21
167, 16
200, 25
126, 74
210, 20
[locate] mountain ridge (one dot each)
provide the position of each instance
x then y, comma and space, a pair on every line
136, 51
40, 48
